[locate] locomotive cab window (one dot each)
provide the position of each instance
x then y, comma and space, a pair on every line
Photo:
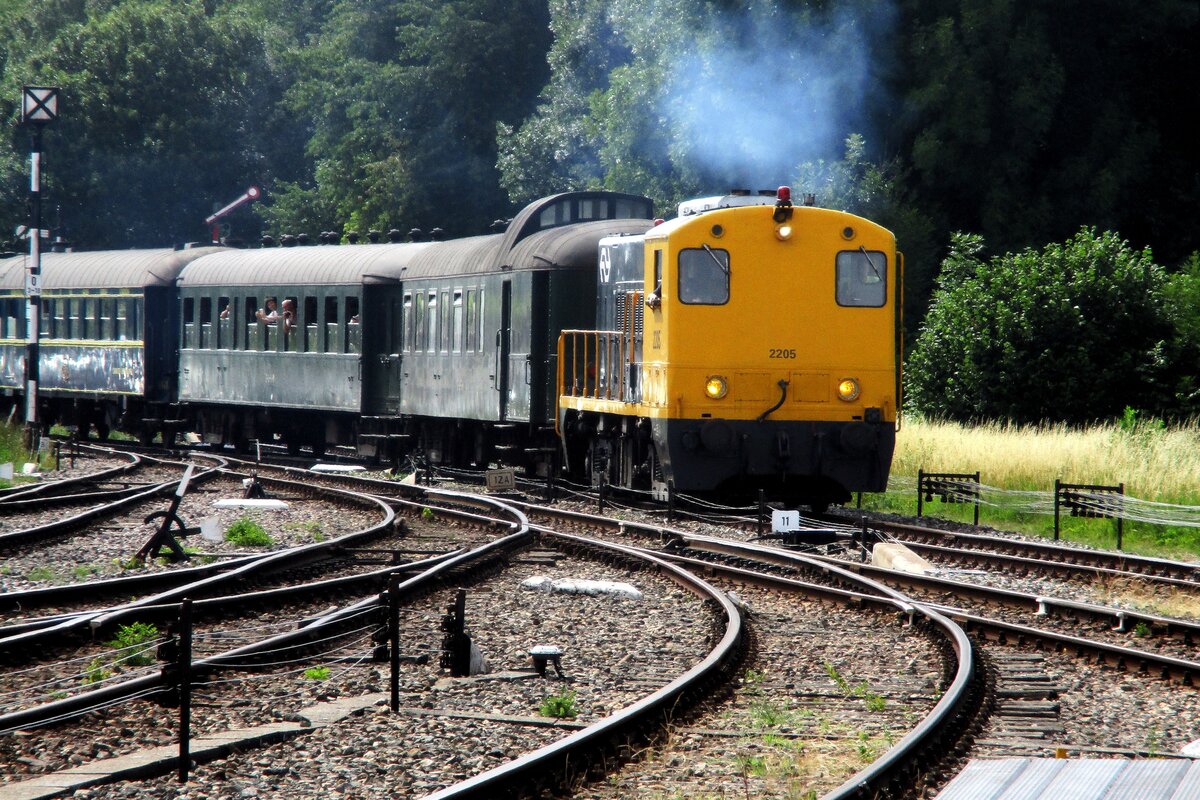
861, 278
704, 276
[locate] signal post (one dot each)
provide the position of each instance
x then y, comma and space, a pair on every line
39, 108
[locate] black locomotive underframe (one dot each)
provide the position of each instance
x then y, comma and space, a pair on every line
796, 462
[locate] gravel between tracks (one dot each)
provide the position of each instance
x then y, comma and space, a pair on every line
615, 652
105, 548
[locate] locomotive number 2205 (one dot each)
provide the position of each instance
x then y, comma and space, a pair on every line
778, 352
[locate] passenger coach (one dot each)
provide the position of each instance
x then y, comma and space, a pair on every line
108, 337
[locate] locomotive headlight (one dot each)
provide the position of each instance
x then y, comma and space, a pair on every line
848, 389
783, 232
716, 387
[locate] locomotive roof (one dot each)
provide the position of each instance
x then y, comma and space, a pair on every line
105, 269
310, 266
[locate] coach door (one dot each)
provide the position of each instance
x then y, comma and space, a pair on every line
381, 359
502, 372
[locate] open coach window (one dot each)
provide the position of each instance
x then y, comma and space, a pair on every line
704, 276
861, 278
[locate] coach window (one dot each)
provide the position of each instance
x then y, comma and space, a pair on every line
8, 318
472, 331
704, 276
431, 323
189, 322
406, 324
861, 278
224, 324
353, 329
134, 322
252, 325
91, 325
593, 209
289, 324
557, 214
332, 343
207, 338
312, 336
457, 334
61, 330
444, 339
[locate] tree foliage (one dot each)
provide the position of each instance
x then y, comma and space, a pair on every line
157, 115
1073, 332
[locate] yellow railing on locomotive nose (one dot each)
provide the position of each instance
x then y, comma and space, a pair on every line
593, 364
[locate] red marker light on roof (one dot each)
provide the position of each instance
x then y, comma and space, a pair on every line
784, 193
659, 221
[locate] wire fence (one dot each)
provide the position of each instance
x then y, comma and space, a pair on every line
1104, 504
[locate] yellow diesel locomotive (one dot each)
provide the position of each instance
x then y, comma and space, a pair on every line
747, 344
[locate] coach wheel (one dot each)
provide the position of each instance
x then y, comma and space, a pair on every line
146, 436
318, 446
293, 446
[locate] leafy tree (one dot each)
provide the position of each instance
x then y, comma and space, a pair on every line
1072, 333
1024, 121
676, 98
1181, 298
161, 103
403, 99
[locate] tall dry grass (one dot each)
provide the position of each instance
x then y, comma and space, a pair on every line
1154, 461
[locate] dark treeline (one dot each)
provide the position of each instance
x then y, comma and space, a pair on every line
1015, 121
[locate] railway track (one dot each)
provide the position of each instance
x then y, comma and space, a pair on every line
667, 695
1025, 677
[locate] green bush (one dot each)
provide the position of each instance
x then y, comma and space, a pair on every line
245, 532
317, 673
1072, 333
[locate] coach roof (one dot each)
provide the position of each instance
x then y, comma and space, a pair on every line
310, 266
105, 269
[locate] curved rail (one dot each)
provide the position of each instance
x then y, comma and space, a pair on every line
557, 758
248, 654
61, 527
1045, 551
253, 565
10, 496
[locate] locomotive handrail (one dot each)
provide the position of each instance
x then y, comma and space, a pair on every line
584, 372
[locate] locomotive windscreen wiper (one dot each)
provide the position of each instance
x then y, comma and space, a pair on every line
867, 256
724, 267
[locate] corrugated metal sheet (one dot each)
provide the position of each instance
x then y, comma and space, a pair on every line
107, 269
1075, 779
309, 266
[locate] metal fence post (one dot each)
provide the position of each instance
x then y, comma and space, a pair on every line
977, 493
185, 688
920, 496
1120, 512
1057, 491
394, 639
